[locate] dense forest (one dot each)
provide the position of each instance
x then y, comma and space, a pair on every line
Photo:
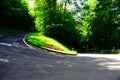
14, 13
85, 25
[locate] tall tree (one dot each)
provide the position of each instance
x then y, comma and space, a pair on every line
84, 14
55, 20
14, 13
104, 26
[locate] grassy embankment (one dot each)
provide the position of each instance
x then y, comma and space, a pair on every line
40, 40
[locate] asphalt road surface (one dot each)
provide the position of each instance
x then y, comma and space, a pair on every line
20, 62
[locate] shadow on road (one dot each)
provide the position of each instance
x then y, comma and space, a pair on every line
19, 62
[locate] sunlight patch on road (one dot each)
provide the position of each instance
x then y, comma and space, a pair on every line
4, 60
109, 61
5, 44
111, 65
109, 56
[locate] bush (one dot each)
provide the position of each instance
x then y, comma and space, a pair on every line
63, 29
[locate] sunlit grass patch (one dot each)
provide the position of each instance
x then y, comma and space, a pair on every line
41, 40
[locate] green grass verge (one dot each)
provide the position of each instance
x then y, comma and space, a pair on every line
41, 40
111, 51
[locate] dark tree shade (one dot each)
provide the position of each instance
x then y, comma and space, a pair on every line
14, 14
105, 26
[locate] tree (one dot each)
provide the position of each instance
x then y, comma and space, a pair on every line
14, 13
98, 24
104, 26
53, 19
84, 14
90, 25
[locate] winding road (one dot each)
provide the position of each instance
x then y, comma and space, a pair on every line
21, 62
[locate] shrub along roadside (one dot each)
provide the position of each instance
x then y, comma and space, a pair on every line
40, 40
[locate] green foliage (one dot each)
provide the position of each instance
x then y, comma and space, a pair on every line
56, 22
40, 40
14, 13
92, 25
98, 24
105, 34
87, 14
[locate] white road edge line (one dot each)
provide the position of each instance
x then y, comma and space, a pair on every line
44, 47
26, 43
